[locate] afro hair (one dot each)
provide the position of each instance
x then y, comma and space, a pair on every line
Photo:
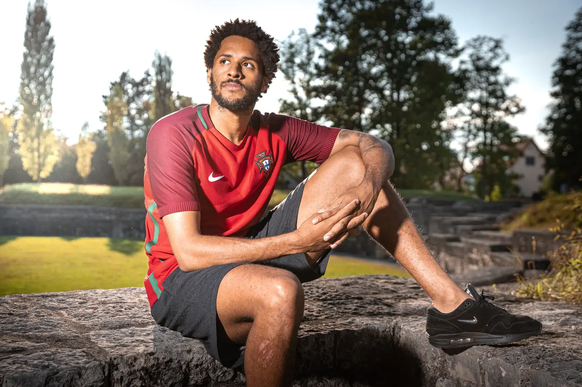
268, 50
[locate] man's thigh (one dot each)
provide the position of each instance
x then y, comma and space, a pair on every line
282, 220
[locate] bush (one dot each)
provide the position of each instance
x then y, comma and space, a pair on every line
564, 282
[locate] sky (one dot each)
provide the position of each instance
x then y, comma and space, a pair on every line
97, 41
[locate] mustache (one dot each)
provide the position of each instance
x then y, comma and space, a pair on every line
234, 81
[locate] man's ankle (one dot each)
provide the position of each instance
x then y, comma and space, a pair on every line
449, 304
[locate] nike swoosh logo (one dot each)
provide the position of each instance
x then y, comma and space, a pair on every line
212, 179
474, 321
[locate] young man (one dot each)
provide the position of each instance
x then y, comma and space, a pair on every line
219, 273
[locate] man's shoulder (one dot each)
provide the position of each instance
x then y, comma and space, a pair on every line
274, 121
186, 117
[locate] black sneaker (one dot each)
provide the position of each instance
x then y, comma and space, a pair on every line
477, 322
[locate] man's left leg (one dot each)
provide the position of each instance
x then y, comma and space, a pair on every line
389, 224
456, 319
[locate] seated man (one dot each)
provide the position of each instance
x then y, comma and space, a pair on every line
219, 273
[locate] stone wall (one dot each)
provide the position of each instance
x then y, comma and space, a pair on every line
357, 331
77, 221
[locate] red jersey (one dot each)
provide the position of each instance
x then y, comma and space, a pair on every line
191, 166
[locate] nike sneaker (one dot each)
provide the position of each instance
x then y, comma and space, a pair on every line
477, 322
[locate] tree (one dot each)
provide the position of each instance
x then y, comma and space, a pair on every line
564, 124
163, 102
65, 170
101, 170
85, 149
37, 140
386, 69
117, 139
299, 54
6, 126
127, 121
484, 133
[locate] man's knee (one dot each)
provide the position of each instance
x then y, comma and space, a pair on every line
347, 165
284, 297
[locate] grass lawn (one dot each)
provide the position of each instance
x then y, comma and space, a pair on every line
54, 264
132, 197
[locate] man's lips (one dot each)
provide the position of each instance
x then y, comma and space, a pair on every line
232, 86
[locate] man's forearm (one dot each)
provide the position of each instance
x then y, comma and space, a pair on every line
208, 250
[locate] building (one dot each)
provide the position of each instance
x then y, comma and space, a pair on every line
530, 166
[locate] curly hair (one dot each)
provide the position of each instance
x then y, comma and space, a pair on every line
268, 50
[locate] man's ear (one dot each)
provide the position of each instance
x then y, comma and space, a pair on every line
265, 85
208, 76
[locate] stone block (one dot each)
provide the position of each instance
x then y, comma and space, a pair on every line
357, 331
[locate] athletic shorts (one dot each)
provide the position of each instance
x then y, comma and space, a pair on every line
188, 302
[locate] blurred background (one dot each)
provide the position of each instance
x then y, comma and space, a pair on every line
479, 100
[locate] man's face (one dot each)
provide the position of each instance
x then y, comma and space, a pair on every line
236, 78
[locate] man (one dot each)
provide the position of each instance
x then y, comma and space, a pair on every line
219, 273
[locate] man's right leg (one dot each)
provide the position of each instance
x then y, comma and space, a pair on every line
261, 307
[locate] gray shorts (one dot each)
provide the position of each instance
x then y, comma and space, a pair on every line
188, 302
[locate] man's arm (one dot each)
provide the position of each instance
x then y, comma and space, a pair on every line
195, 251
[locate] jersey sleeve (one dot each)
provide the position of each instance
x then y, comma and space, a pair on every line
170, 167
305, 140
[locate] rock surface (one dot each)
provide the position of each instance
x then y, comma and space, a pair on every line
357, 331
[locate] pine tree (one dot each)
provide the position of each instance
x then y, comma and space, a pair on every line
564, 124
36, 138
6, 125
116, 138
484, 131
163, 98
85, 149
299, 55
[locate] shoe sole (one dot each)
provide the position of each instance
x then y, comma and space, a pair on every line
469, 339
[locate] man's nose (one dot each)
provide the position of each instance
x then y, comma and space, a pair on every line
234, 71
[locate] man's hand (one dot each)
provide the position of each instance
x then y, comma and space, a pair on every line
331, 225
367, 199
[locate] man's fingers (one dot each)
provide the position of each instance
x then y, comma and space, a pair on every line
357, 221
337, 210
325, 214
340, 240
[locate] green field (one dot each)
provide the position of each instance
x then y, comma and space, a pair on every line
53, 264
132, 197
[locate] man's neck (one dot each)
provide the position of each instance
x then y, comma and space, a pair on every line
232, 125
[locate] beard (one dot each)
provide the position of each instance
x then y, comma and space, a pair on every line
247, 101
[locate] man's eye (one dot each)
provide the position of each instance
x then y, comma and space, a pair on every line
250, 65
224, 61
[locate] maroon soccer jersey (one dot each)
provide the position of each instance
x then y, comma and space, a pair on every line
191, 166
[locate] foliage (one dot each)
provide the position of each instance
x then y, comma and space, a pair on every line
65, 170
385, 68
162, 94
6, 126
553, 211
37, 140
101, 170
564, 282
564, 124
85, 149
52, 264
480, 120
298, 65
127, 122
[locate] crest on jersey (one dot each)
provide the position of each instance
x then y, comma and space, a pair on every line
264, 162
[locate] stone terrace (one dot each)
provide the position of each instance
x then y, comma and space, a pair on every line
357, 331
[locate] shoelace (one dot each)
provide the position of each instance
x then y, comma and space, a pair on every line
483, 302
